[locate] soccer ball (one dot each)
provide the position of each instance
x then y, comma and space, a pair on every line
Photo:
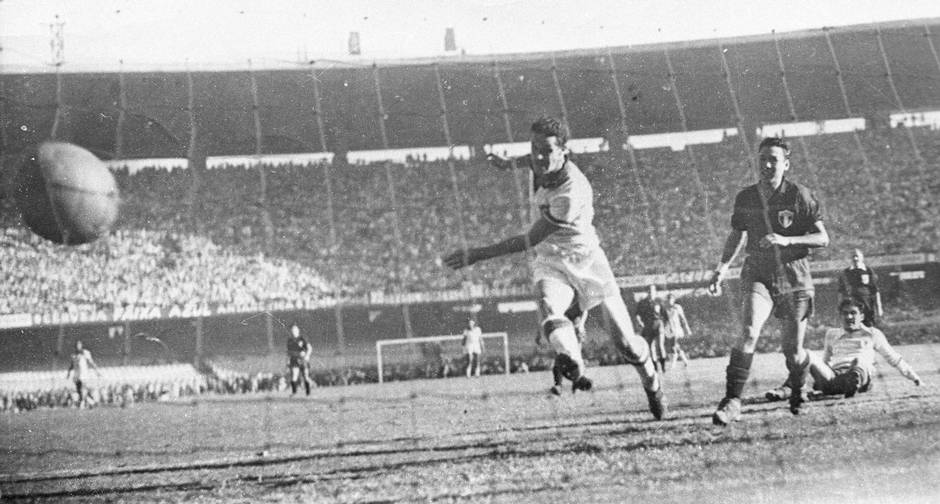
66, 194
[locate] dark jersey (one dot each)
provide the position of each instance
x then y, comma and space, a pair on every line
791, 210
650, 312
861, 283
297, 348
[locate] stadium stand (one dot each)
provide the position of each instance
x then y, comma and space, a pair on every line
246, 237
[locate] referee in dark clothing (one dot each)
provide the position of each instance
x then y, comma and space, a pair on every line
859, 282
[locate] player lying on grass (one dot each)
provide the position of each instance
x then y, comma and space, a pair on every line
569, 263
848, 360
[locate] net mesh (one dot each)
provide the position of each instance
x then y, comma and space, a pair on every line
378, 230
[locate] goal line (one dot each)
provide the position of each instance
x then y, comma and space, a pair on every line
379, 345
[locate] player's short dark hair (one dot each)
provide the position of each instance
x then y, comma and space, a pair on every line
549, 126
847, 302
775, 142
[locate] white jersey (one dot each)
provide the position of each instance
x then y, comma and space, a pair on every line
570, 205
675, 316
80, 362
473, 340
843, 348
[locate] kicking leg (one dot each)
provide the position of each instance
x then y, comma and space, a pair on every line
636, 351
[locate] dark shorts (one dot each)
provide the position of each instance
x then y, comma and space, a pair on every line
839, 384
789, 287
868, 310
298, 362
651, 332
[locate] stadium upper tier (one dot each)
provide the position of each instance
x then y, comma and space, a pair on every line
212, 237
859, 71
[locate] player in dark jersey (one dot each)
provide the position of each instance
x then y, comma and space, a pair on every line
298, 360
650, 316
860, 282
780, 221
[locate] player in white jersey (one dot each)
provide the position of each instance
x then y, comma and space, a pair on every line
473, 347
81, 360
677, 328
848, 361
569, 263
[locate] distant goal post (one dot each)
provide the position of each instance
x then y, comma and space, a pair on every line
379, 345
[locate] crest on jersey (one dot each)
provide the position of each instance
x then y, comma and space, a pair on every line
785, 218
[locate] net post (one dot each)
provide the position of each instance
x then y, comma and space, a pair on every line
792, 108
560, 95
889, 74
59, 106
321, 133
378, 356
330, 211
195, 159
690, 151
520, 193
631, 154
259, 146
845, 98
122, 113
390, 181
445, 123
506, 352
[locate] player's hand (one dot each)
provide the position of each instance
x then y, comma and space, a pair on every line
498, 162
460, 258
772, 239
714, 284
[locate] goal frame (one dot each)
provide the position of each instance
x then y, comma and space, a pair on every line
445, 337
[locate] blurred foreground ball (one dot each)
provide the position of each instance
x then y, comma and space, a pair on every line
66, 194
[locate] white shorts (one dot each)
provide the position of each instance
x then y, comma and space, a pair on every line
591, 278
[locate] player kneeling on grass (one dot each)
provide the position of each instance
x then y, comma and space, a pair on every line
298, 360
569, 263
848, 361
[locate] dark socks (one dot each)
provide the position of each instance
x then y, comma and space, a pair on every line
737, 372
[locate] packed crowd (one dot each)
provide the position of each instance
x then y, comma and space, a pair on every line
139, 268
212, 238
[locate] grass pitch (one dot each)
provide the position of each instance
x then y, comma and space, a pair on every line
492, 439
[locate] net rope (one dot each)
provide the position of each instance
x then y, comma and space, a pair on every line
509, 115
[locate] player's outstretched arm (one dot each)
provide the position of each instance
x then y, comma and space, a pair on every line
540, 230
733, 244
891, 356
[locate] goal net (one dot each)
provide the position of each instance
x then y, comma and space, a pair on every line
438, 356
